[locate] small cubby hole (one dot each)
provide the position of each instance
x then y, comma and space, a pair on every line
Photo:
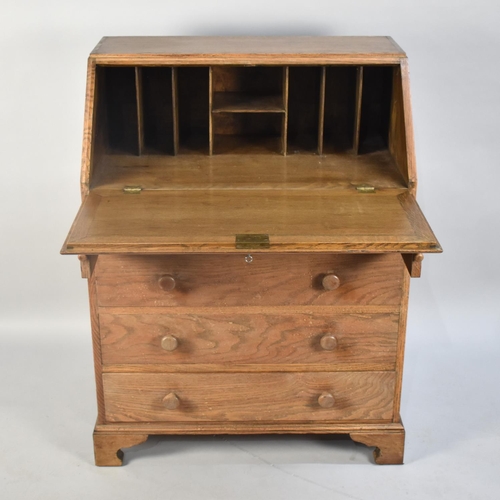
117, 110
304, 108
340, 109
345, 126
375, 108
135, 110
193, 109
158, 110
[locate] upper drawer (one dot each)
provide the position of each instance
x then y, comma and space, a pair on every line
229, 280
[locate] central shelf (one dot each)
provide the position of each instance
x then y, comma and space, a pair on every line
241, 102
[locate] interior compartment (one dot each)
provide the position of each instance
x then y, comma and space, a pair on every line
340, 108
157, 108
247, 89
375, 108
120, 109
193, 109
304, 108
338, 111
245, 133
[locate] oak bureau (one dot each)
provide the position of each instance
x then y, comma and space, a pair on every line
248, 230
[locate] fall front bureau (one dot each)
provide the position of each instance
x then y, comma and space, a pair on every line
248, 230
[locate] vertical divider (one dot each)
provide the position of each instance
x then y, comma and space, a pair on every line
284, 127
210, 114
140, 109
175, 111
321, 119
357, 115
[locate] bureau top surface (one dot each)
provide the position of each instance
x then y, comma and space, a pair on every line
249, 49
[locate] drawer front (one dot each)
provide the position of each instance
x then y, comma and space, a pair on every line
228, 280
341, 339
258, 397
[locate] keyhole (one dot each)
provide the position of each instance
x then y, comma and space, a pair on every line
248, 259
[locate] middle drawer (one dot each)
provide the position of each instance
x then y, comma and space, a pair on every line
219, 337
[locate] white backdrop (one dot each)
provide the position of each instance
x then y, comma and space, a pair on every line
454, 319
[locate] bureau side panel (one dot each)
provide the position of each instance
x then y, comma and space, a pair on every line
403, 315
96, 347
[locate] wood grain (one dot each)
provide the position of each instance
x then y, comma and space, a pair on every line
249, 338
257, 397
227, 280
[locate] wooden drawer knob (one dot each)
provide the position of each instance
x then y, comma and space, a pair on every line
167, 283
328, 342
330, 282
171, 401
169, 343
326, 400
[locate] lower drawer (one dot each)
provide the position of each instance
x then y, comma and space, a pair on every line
258, 397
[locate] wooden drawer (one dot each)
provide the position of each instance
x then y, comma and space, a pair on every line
228, 280
219, 337
257, 397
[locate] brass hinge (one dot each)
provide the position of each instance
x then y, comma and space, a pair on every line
365, 188
249, 241
132, 189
